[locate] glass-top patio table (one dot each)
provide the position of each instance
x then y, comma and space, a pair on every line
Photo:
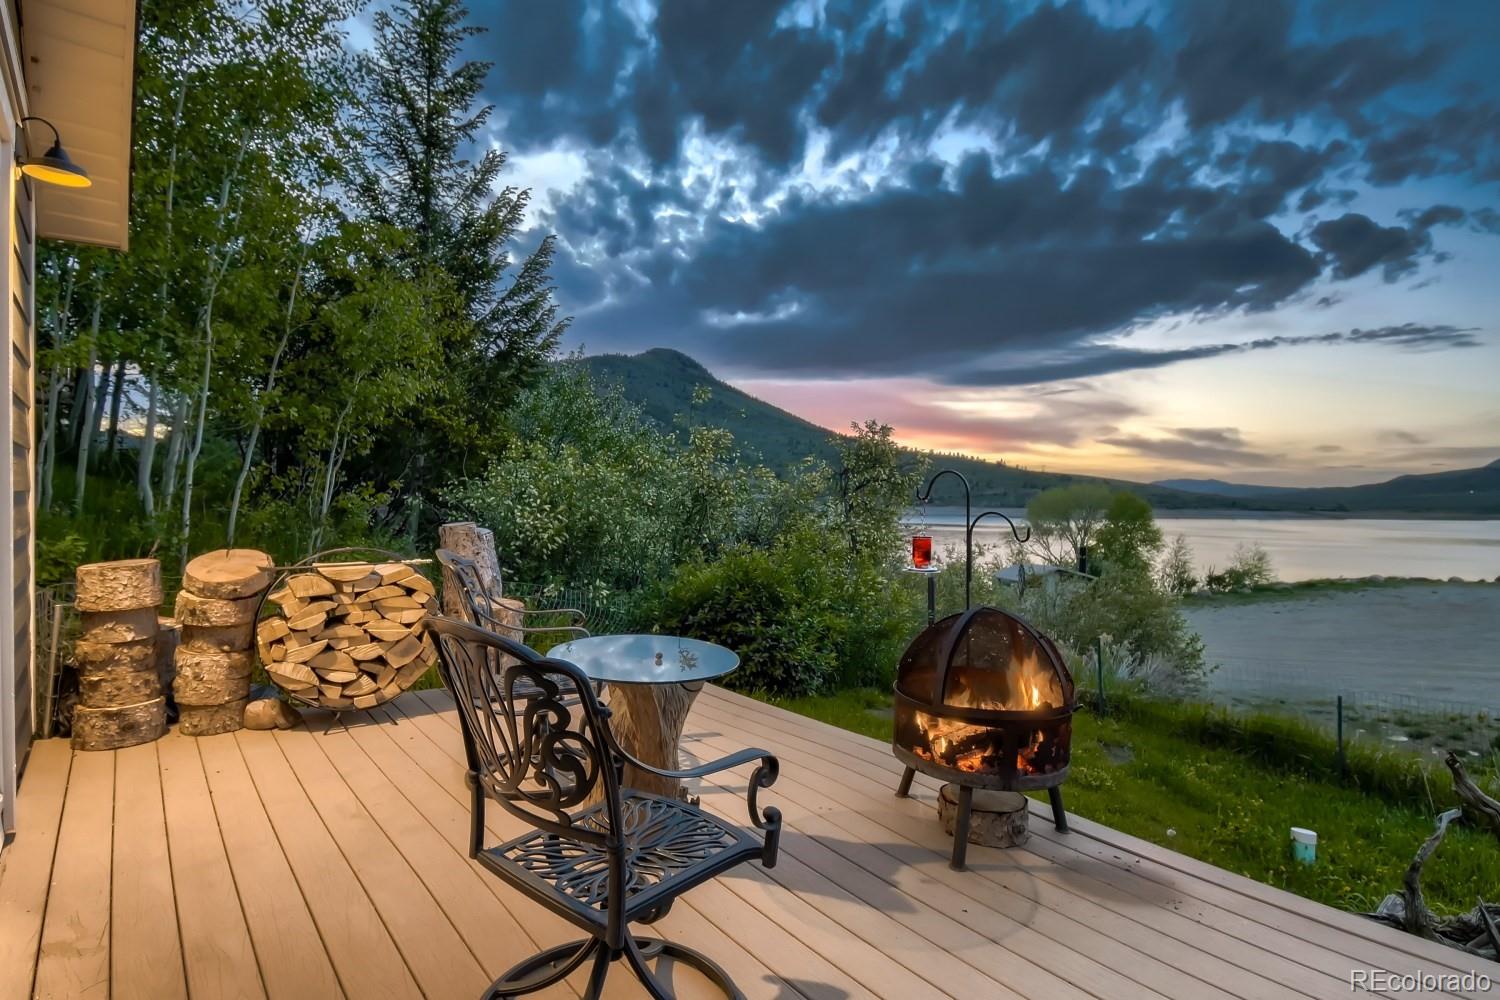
653, 681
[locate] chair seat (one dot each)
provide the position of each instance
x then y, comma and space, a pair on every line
670, 846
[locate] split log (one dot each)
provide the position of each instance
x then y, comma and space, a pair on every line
113, 728
168, 638
118, 626
124, 585
228, 574
211, 720
271, 713
1480, 807
213, 611
348, 635
211, 678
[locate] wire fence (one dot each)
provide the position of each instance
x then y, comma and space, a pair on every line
1425, 724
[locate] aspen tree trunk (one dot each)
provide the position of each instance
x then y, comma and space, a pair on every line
90, 415
147, 455
147, 458
205, 377
174, 452
47, 447
260, 403
112, 438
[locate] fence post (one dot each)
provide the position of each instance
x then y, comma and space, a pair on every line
1343, 763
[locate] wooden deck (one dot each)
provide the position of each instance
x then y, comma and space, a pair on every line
312, 864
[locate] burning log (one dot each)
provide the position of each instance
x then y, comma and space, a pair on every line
349, 635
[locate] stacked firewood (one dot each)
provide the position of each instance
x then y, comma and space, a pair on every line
349, 635
120, 693
216, 611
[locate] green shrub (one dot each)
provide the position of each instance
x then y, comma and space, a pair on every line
1250, 568
769, 608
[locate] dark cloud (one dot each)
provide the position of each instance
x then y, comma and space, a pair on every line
1097, 359
1400, 437
1241, 59
1089, 209
1199, 446
1354, 243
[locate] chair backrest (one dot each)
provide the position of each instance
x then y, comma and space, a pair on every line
534, 733
475, 600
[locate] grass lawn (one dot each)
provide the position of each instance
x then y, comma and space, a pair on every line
1222, 807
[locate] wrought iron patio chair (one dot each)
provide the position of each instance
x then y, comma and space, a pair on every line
482, 603
621, 861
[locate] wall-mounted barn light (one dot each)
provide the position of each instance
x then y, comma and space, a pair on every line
54, 166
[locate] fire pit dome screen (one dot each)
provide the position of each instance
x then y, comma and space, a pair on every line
984, 700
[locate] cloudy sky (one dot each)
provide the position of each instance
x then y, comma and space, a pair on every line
1252, 240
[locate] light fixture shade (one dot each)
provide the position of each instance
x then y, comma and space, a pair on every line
56, 167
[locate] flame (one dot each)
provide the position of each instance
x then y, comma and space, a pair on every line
1033, 686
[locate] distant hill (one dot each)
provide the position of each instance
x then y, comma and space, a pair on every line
662, 383
1218, 487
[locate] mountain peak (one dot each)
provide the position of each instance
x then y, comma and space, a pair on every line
676, 359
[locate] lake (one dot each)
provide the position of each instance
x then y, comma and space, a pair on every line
1303, 548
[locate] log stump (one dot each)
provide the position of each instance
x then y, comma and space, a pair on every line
228, 574
120, 687
132, 625
648, 720
211, 720
475, 543
997, 819
221, 591
118, 586
211, 678
113, 728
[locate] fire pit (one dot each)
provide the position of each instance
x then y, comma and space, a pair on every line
984, 700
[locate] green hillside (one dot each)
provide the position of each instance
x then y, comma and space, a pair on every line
662, 382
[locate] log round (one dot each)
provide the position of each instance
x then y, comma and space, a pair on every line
113, 728
211, 720
211, 678
125, 686
214, 611
228, 574
118, 626
103, 657
217, 639
123, 585
997, 819
348, 635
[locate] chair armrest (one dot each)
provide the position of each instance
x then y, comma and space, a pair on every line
574, 631
578, 616
764, 776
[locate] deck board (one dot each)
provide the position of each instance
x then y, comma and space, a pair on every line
333, 863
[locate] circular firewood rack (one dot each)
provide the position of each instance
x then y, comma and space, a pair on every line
345, 641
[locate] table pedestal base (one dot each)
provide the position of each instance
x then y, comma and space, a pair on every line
647, 720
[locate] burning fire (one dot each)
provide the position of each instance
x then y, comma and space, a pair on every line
1029, 679
1032, 687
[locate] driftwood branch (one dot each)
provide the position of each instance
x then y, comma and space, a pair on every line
1481, 808
1417, 918
1474, 932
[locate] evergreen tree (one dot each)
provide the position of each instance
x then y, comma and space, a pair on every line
420, 116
